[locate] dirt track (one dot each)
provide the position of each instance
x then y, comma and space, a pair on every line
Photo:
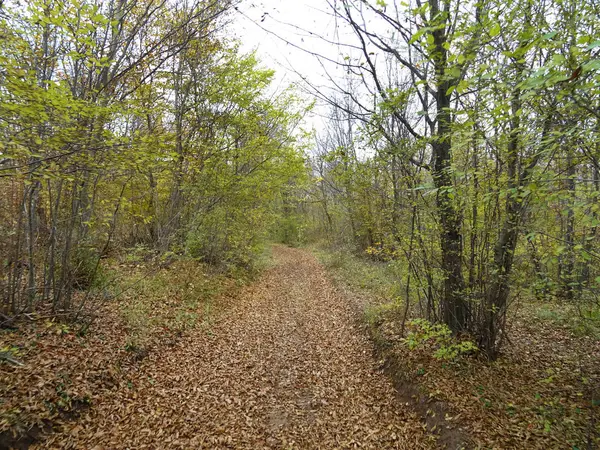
285, 366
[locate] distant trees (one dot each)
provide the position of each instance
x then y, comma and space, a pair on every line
483, 117
127, 122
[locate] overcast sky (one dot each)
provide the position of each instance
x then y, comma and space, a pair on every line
267, 25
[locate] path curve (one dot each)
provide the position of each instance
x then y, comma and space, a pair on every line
284, 367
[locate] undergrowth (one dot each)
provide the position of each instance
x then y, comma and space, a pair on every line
541, 393
380, 279
168, 299
50, 369
581, 320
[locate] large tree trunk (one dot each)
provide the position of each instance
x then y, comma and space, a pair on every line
498, 291
455, 309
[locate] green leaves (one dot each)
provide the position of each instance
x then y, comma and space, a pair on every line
495, 29
452, 72
415, 37
460, 88
591, 65
593, 45
439, 338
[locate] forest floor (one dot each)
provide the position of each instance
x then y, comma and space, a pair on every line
283, 363
541, 393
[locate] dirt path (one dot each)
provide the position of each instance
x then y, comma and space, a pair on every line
284, 367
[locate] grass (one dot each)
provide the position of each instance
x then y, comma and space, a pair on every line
174, 293
168, 300
383, 280
581, 321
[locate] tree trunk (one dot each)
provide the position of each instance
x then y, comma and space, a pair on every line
454, 307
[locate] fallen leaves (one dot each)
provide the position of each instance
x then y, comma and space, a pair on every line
281, 365
537, 395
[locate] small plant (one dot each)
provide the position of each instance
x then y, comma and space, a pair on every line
438, 336
138, 254
131, 346
57, 327
374, 314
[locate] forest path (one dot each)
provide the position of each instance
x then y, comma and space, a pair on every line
284, 366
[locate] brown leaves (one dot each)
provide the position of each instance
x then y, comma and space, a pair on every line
281, 366
534, 396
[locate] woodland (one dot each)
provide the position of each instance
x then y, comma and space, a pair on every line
160, 193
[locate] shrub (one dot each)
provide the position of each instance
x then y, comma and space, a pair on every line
438, 337
86, 272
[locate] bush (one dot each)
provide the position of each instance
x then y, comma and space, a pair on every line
86, 272
290, 231
438, 337
232, 240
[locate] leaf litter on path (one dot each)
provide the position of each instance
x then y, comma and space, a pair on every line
282, 366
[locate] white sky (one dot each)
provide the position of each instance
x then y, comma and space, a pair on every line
258, 23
